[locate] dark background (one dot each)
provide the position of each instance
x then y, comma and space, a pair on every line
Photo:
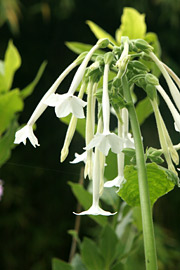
36, 209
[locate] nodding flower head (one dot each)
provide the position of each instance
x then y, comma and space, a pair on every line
26, 133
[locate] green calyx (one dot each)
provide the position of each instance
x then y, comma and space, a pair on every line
103, 42
108, 58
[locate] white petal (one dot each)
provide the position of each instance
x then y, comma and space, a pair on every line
104, 145
95, 211
115, 142
24, 133
129, 142
52, 100
77, 109
116, 182
63, 108
79, 158
176, 126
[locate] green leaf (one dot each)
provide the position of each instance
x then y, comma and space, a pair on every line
11, 63
118, 266
91, 256
100, 33
58, 264
144, 110
79, 47
108, 242
132, 25
81, 124
110, 197
7, 143
111, 168
160, 181
77, 263
27, 91
85, 199
10, 103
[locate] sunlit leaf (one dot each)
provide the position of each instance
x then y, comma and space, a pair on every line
10, 103
132, 25
85, 199
160, 181
79, 47
100, 33
11, 63
27, 91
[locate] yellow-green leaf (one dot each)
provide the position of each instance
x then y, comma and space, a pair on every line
132, 25
100, 33
11, 63
10, 103
79, 47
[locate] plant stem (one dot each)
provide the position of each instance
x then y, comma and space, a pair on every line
148, 230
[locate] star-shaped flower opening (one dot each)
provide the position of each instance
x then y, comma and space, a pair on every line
65, 104
95, 210
116, 182
26, 133
106, 141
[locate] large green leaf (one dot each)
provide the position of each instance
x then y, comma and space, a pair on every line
11, 63
91, 256
144, 109
108, 242
7, 143
100, 33
85, 199
132, 25
60, 265
27, 91
118, 266
79, 47
160, 181
10, 103
77, 263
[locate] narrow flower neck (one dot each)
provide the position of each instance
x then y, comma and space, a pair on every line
81, 70
105, 101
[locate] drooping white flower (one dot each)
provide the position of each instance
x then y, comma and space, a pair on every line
106, 140
79, 158
95, 208
26, 133
171, 107
66, 104
172, 87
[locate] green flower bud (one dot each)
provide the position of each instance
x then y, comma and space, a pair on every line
143, 45
150, 78
139, 65
132, 47
103, 42
151, 91
117, 50
108, 58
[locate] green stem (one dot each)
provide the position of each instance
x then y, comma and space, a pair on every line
148, 230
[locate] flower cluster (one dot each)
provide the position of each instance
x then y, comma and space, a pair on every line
103, 97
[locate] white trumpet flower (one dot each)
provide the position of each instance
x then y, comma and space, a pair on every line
66, 104
171, 107
95, 209
26, 133
172, 87
106, 140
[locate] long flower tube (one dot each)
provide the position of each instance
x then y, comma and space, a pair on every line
172, 87
174, 112
68, 103
89, 128
71, 128
106, 140
27, 131
162, 137
172, 74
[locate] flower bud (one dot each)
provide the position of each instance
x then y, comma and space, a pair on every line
139, 65
151, 91
150, 78
103, 42
108, 58
143, 45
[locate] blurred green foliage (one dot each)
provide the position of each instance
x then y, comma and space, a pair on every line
35, 213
